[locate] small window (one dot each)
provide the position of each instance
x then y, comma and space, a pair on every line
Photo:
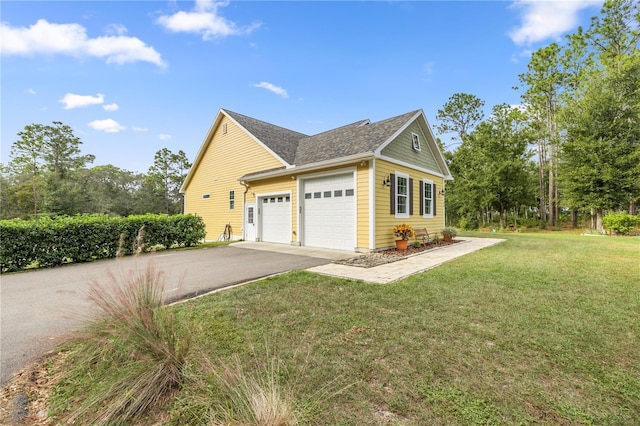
280, 199
349, 193
287, 198
402, 195
317, 194
266, 200
232, 200
327, 194
427, 198
224, 128
337, 193
272, 199
250, 218
415, 140
307, 196
205, 196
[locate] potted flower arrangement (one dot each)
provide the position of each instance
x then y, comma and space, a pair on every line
404, 232
448, 233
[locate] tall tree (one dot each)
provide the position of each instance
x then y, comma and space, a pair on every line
544, 79
46, 156
460, 114
601, 156
491, 166
616, 34
27, 160
166, 175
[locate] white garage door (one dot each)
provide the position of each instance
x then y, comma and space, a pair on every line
276, 219
329, 211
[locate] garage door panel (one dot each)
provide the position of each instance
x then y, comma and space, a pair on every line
329, 213
276, 219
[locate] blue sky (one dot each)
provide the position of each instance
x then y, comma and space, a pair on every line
132, 77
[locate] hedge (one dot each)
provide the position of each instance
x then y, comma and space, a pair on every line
620, 223
49, 242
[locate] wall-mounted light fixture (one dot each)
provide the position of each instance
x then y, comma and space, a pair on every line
293, 177
363, 163
386, 181
441, 192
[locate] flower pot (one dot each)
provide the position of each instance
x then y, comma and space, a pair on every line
401, 244
447, 238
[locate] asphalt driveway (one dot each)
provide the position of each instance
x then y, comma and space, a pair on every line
38, 309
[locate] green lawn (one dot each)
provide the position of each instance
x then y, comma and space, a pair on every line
541, 329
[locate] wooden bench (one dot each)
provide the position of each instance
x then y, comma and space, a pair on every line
422, 235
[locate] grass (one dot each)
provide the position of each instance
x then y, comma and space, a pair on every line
544, 329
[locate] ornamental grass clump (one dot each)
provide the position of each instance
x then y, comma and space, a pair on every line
134, 352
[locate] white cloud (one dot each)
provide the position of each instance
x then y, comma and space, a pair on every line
547, 19
110, 107
205, 20
71, 39
428, 68
30, 91
107, 126
272, 88
139, 129
71, 101
164, 136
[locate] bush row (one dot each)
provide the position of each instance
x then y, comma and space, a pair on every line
49, 242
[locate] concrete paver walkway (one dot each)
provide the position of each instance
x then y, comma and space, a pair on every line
390, 272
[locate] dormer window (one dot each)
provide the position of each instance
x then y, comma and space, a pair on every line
415, 140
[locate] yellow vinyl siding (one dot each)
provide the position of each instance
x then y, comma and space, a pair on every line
362, 218
385, 221
227, 157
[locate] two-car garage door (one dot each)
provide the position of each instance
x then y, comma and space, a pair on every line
328, 212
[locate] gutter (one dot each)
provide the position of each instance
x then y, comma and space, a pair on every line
307, 167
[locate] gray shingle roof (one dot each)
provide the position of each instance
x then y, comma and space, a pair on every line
283, 142
356, 138
297, 148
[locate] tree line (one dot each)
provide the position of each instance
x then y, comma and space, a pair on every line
48, 176
572, 147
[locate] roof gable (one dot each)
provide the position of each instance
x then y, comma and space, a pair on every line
356, 138
282, 142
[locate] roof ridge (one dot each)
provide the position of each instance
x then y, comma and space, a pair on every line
233, 113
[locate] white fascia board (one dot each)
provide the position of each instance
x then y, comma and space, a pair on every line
397, 133
307, 167
258, 141
202, 150
431, 141
411, 166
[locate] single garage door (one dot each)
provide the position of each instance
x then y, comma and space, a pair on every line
329, 212
276, 219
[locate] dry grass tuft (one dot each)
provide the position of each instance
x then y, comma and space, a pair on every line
134, 351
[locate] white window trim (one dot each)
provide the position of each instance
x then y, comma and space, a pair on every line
402, 215
422, 201
415, 142
232, 199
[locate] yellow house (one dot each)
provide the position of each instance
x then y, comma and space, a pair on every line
342, 189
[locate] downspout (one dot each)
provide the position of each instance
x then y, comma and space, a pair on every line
244, 210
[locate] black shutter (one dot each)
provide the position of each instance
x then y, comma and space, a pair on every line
421, 200
433, 196
410, 196
392, 201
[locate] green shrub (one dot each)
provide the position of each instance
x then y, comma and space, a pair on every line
53, 241
468, 224
620, 223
